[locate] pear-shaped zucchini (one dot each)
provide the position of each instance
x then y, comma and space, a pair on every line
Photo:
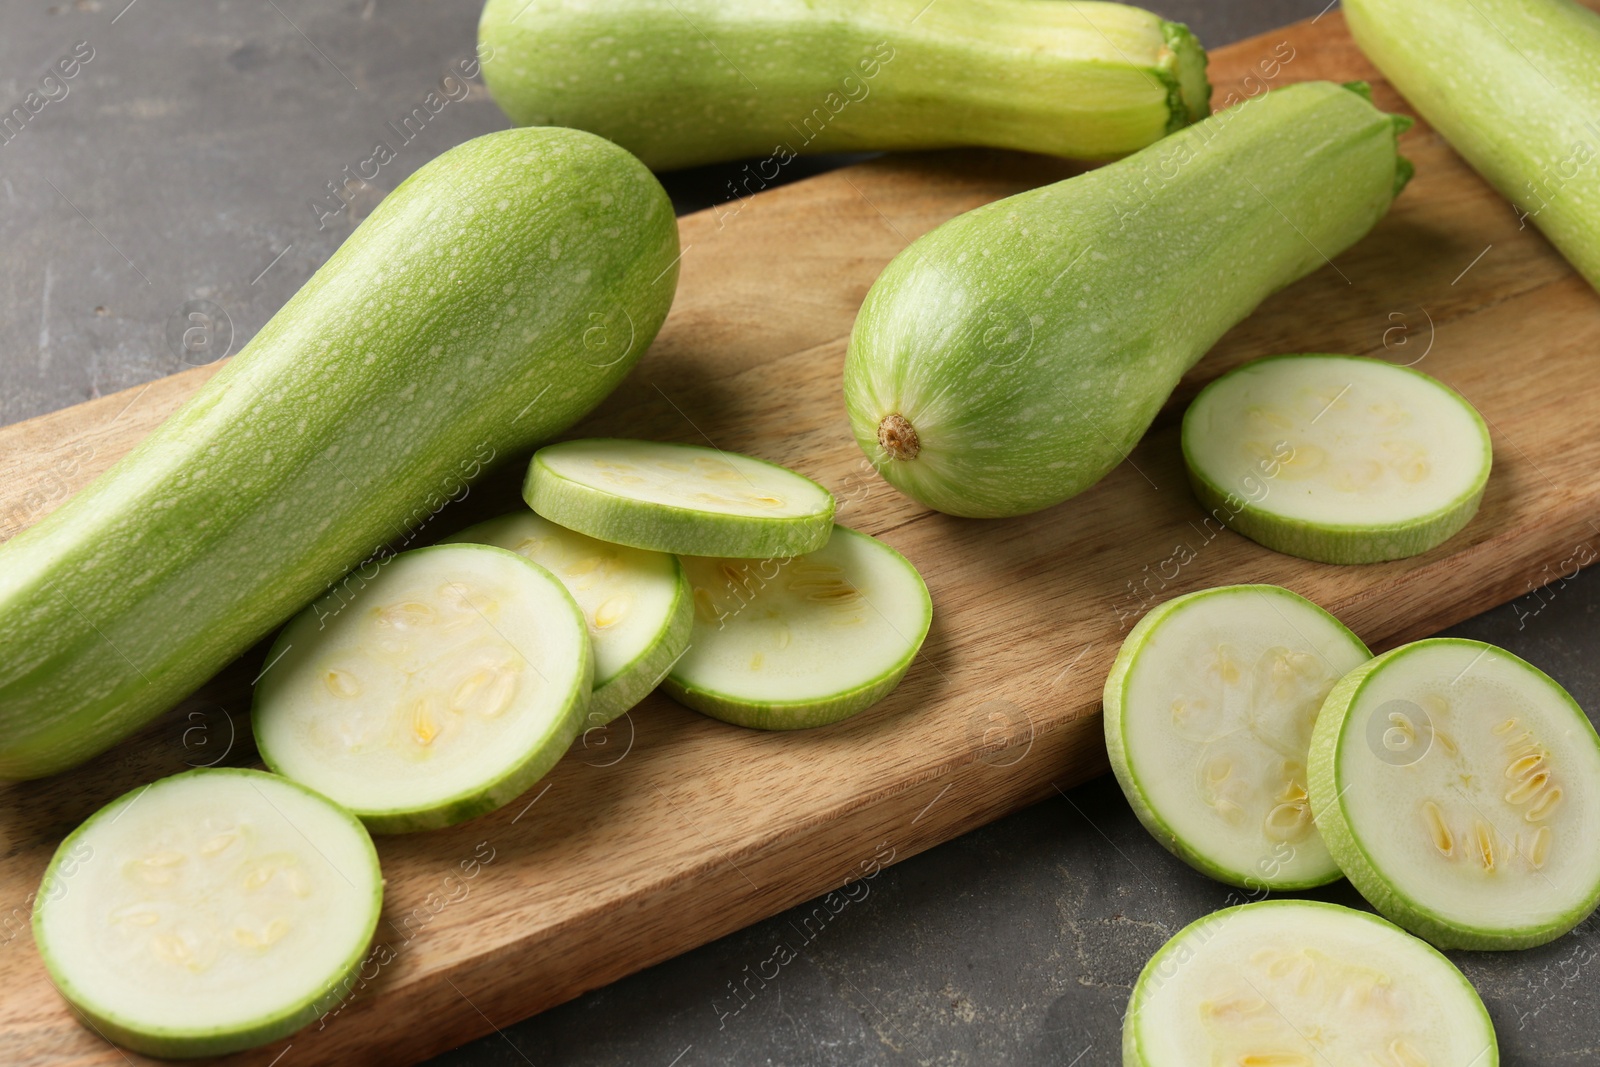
1010, 358
493, 298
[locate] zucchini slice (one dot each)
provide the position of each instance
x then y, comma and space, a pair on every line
784, 644
1339, 459
208, 912
636, 603
1459, 788
685, 499
1208, 715
1300, 983
436, 691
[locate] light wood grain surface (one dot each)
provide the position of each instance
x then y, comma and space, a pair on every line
668, 829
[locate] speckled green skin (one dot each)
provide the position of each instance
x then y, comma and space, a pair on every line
1178, 949
1511, 85
167, 1044
478, 798
1031, 342
685, 82
1113, 706
1325, 542
1326, 785
624, 520
455, 327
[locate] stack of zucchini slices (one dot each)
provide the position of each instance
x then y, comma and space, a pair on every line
1455, 785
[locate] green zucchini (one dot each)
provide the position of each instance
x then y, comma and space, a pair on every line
695, 81
1458, 786
491, 300
1340, 459
1301, 983
1511, 85
1010, 358
212, 911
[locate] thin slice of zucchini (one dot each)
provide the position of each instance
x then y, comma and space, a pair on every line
1339, 459
1459, 788
436, 691
683, 499
784, 644
1208, 715
636, 602
1300, 983
208, 912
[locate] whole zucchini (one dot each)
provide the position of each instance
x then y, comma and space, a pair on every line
492, 299
1010, 358
1512, 85
685, 82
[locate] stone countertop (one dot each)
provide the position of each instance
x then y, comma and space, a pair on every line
183, 164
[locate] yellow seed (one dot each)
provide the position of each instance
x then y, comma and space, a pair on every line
704, 607
1406, 1054
1443, 840
271, 934
1506, 727
299, 884
1523, 766
583, 566
1274, 1059
610, 612
171, 949
766, 501
219, 843
1414, 471
405, 615
424, 727
1539, 851
1484, 837
530, 547
1219, 770
1448, 742
1239, 1005
1542, 807
259, 875
1524, 790
341, 683
756, 662
484, 692
1287, 822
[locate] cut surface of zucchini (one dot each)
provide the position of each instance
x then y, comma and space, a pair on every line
636, 603
1208, 714
783, 644
1459, 788
1299, 983
683, 499
1339, 459
436, 691
208, 912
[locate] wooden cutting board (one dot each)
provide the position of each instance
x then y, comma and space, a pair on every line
669, 829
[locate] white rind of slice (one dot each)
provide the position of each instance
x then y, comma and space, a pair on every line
784, 644
683, 499
1339, 459
636, 603
208, 912
1299, 983
1459, 788
438, 690
1209, 708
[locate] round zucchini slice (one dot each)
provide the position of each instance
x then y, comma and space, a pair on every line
684, 499
1459, 788
208, 912
1339, 459
1299, 983
438, 690
1208, 715
784, 644
636, 603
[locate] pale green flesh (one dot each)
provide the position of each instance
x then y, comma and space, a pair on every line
213, 911
456, 326
698, 81
1459, 788
636, 603
790, 643
1511, 85
1208, 716
440, 690
1289, 983
1337, 458
1030, 342
683, 499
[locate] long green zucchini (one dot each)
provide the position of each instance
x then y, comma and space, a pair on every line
685, 82
1513, 86
1009, 359
491, 300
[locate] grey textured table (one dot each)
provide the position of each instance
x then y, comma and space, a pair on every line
182, 165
